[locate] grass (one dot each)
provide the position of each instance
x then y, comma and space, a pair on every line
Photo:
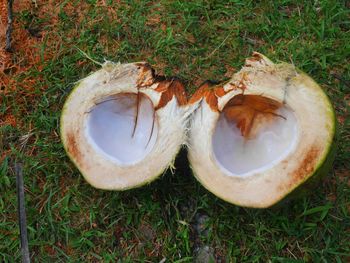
69, 221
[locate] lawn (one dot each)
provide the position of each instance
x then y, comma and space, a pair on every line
174, 219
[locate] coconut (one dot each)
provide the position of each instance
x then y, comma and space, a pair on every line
123, 125
260, 136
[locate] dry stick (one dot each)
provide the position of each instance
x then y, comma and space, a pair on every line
9, 25
22, 214
220, 45
341, 79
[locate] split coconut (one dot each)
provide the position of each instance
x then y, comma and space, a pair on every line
123, 125
251, 141
261, 135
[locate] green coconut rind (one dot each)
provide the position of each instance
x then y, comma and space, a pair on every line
143, 183
310, 184
325, 164
300, 190
321, 169
61, 123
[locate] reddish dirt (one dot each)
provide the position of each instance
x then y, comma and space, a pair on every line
9, 119
25, 54
26, 44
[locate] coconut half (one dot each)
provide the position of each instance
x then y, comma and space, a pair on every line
258, 137
122, 126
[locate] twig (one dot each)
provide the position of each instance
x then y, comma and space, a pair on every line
341, 79
8, 47
220, 45
22, 214
88, 57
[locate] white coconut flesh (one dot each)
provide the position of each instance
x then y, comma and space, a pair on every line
112, 148
260, 170
123, 128
242, 157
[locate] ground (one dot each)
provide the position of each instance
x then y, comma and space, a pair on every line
174, 219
